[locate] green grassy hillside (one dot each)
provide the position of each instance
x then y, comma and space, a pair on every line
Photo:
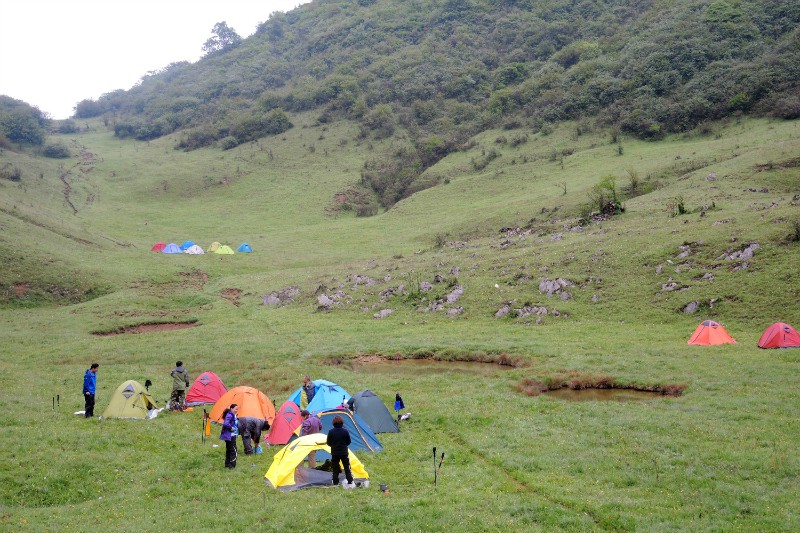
507, 215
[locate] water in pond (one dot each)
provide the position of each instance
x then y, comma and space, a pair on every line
603, 395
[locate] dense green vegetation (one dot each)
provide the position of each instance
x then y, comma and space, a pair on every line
522, 235
446, 70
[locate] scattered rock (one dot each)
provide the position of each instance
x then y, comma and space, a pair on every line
659, 269
741, 255
711, 177
283, 296
503, 311
425, 286
554, 286
455, 271
692, 307
556, 237
438, 279
455, 294
455, 311
595, 298
708, 275
383, 313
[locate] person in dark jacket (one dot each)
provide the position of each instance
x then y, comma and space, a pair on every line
89, 389
339, 440
230, 430
250, 429
311, 424
180, 382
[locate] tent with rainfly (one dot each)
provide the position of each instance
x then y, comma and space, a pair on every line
224, 250
779, 335
327, 395
130, 400
194, 250
172, 248
206, 389
287, 420
252, 402
186, 245
361, 436
159, 246
214, 246
709, 333
244, 248
287, 473
374, 412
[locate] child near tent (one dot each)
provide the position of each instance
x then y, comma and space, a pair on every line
339, 440
230, 430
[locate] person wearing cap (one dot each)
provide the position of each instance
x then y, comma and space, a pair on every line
89, 389
311, 424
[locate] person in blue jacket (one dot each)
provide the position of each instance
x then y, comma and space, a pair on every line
230, 430
89, 389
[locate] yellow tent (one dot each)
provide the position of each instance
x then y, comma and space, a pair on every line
213, 247
130, 400
225, 250
287, 473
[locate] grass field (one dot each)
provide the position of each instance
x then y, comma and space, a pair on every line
723, 455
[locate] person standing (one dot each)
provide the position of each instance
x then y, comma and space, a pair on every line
250, 429
230, 430
180, 382
311, 424
339, 441
307, 394
89, 389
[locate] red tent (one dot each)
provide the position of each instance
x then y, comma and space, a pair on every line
207, 388
779, 335
708, 333
286, 422
158, 247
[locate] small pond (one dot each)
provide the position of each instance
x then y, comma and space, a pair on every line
603, 395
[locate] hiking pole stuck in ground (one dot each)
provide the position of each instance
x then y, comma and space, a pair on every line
203, 430
436, 474
434, 466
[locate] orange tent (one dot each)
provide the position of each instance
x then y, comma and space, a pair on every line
252, 402
708, 333
779, 335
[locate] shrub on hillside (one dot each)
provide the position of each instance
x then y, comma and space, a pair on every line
10, 172
56, 150
67, 126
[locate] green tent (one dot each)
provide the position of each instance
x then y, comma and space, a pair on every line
371, 409
130, 400
225, 250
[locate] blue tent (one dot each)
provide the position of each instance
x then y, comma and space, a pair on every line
361, 436
171, 248
185, 246
327, 396
244, 248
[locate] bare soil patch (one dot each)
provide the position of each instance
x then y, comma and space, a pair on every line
147, 327
231, 295
21, 289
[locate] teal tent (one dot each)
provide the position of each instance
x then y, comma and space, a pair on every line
327, 396
372, 410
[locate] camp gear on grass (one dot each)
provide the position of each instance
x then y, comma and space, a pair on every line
372, 410
130, 400
287, 473
709, 333
779, 335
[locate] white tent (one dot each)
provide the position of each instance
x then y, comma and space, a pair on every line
194, 250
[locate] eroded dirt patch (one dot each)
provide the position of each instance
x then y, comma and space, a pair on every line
231, 295
148, 327
427, 362
20, 289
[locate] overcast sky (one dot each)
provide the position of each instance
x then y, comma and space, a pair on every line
55, 53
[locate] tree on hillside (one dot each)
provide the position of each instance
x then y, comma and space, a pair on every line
222, 38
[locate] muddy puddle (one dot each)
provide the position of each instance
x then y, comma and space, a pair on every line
416, 367
603, 395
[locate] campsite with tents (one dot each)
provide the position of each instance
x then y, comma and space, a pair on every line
591, 319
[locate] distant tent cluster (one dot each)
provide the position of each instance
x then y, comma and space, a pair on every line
191, 248
778, 335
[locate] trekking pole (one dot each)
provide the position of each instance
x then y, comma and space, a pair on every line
54, 405
434, 466
203, 429
58, 400
439, 467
